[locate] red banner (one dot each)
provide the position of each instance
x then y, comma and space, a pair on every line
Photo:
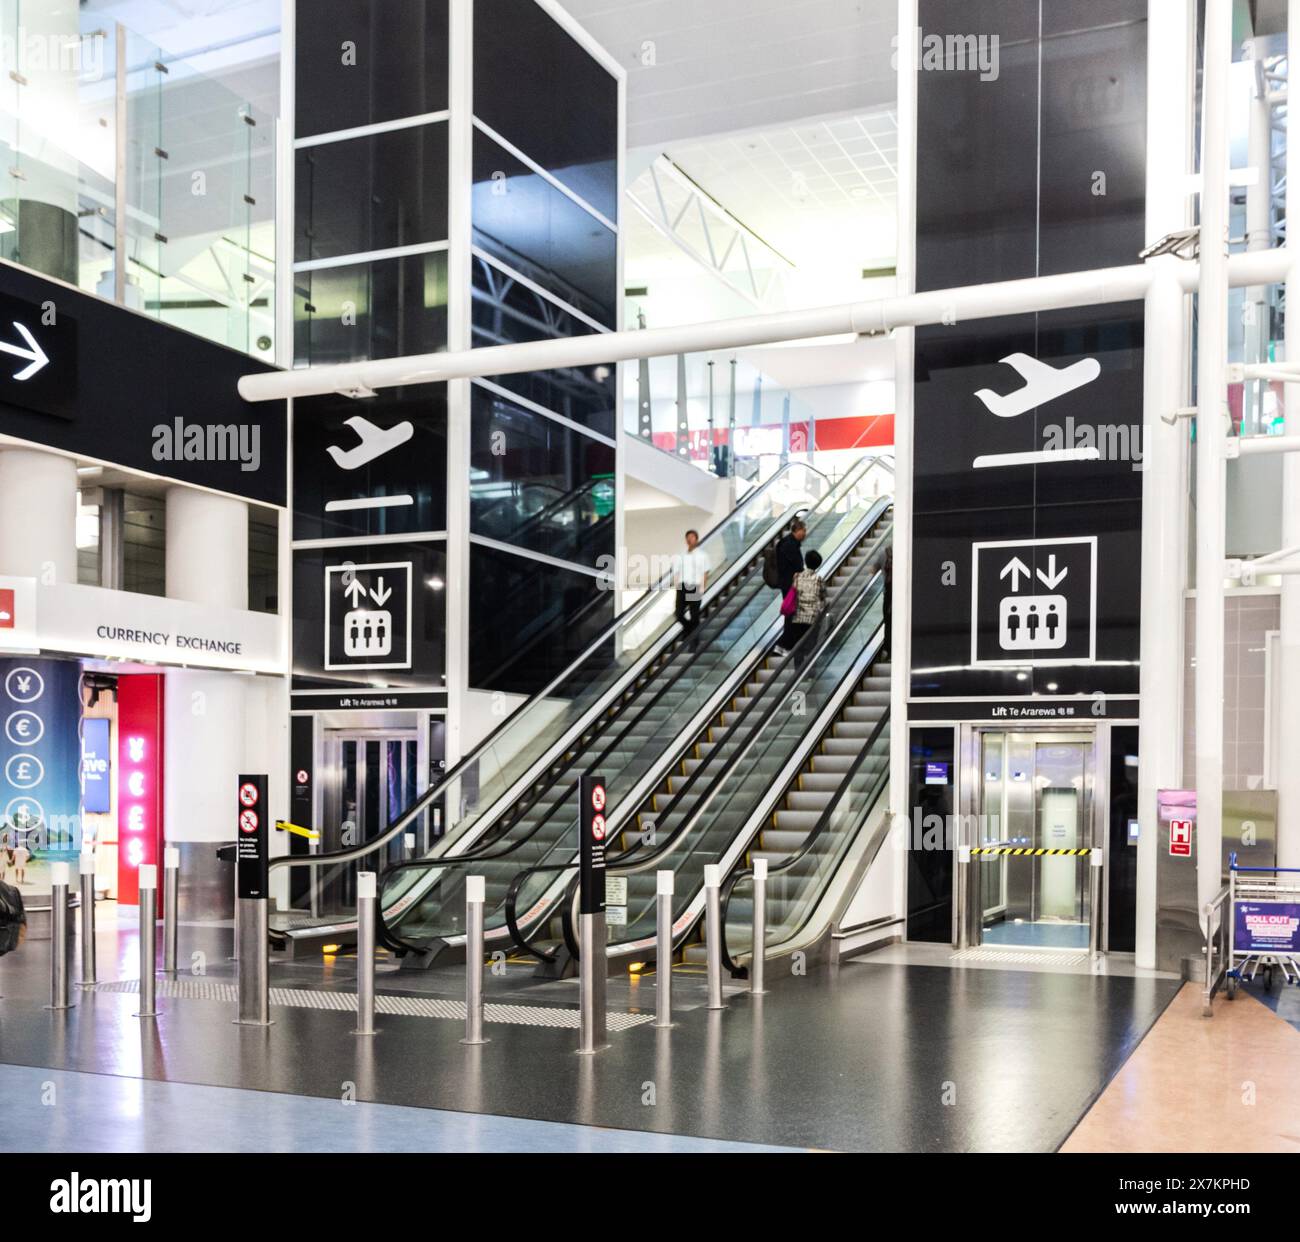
139, 780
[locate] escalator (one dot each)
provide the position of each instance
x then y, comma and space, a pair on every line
801, 782
632, 685
639, 741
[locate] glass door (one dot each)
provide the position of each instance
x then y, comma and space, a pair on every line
1035, 803
370, 779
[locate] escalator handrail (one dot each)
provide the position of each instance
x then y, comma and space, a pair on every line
453, 774
821, 826
756, 728
873, 518
480, 852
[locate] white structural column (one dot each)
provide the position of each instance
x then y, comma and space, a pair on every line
1211, 447
1164, 461
1288, 683
38, 516
207, 548
460, 275
900, 649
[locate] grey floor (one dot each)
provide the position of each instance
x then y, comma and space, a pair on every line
876, 1055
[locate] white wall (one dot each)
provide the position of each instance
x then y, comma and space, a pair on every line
216, 726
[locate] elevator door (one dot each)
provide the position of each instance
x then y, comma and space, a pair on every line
1035, 793
370, 779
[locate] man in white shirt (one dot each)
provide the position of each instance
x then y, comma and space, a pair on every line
692, 577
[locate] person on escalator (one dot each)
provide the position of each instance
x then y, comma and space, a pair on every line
810, 606
692, 577
789, 562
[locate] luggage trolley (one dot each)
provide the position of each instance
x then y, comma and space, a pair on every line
1263, 924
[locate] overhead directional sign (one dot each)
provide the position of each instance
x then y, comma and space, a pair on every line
38, 356
1034, 602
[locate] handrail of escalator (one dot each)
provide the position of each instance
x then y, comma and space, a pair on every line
823, 822
482, 851
453, 774
873, 518
756, 728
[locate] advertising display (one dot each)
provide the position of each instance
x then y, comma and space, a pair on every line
96, 766
140, 780
1266, 927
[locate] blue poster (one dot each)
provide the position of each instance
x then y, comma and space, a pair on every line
96, 766
40, 753
1267, 927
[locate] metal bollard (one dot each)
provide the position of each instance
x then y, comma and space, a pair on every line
366, 889
87, 879
1096, 859
713, 932
475, 895
148, 898
408, 846
758, 954
965, 861
59, 877
171, 898
664, 951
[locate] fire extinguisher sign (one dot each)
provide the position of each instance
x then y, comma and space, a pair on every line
593, 821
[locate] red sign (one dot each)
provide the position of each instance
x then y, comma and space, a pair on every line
7, 610
598, 798
140, 780
598, 826
1180, 838
248, 795
248, 820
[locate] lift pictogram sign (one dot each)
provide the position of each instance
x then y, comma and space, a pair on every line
1034, 602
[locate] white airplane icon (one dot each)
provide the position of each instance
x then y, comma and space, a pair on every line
1043, 383
375, 442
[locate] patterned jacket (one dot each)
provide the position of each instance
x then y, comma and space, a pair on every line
812, 597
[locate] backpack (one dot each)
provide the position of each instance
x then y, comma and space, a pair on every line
771, 575
13, 918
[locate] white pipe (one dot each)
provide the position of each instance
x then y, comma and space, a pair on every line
1011, 297
1259, 232
1211, 437
1288, 675
1251, 446
904, 367
1170, 75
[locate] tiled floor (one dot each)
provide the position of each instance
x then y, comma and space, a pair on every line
1197, 1084
874, 1056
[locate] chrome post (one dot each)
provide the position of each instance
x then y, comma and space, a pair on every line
965, 861
713, 933
253, 922
408, 846
1096, 860
366, 891
87, 879
758, 952
591, 982
60, 874
664, 949
475, 895
171, 897
148, 947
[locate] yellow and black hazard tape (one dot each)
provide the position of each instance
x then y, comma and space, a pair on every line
1027, 851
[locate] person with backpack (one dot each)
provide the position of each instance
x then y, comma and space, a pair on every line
810, 603
780, 566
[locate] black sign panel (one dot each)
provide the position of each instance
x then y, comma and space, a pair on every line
592, 832
1027, 484
251, 827
38, 357
1087, 710
122, 388
368, 615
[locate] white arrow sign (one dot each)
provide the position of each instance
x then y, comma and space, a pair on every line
355, 590
380, 596
1015, 567
1051, 579
35, 355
